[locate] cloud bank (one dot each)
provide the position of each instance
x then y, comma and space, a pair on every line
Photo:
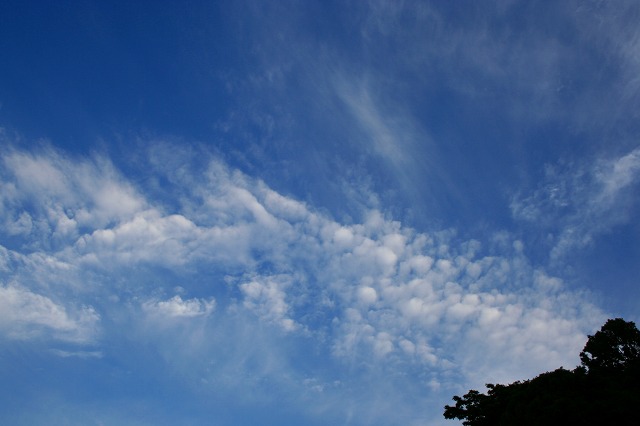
374, 293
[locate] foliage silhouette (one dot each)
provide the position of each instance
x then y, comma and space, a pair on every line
616, 347
604, 390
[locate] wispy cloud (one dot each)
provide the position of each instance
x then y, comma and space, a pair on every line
178, 308
417, 94
577, 203
77, 354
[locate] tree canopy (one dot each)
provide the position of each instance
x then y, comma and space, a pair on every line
604, 389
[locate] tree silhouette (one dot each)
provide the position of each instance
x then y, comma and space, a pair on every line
604, 390
616, 347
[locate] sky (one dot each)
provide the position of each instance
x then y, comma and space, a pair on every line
308, 212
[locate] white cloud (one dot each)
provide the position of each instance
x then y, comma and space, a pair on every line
147, 236
615, 176
367, 295
267, 297
178, 308
64, 193
26, 315
375, 292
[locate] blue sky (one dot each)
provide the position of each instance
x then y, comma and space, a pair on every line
297, 212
